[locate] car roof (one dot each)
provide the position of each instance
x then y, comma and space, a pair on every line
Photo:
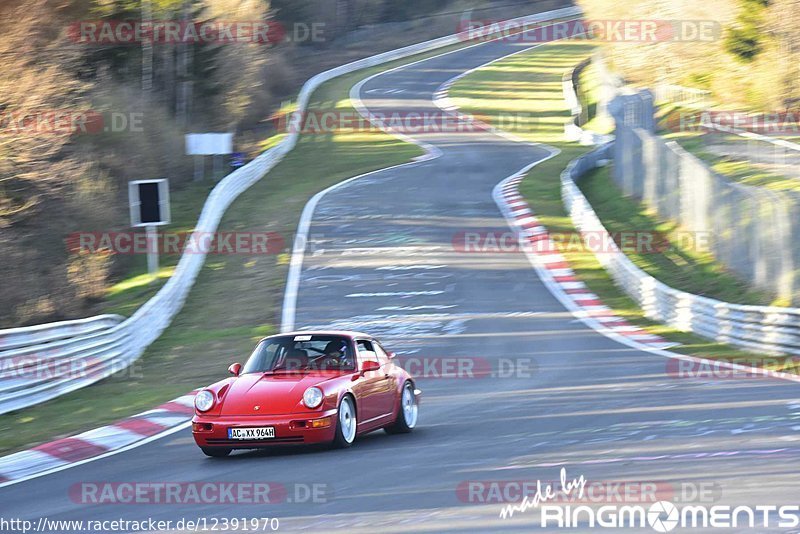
345, 333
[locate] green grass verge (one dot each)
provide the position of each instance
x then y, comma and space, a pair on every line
532, 82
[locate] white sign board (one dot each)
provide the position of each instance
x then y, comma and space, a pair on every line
209, 144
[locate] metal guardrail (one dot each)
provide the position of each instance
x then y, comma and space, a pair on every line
36, 369
763, 328
16, 338
29, 356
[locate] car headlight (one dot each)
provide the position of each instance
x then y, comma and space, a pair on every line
313, 397
204, 400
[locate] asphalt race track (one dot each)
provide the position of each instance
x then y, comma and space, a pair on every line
381, 259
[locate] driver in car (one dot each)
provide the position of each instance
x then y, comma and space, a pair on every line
336, 354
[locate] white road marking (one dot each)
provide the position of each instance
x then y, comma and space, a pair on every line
408, 267
414, 308
395, 294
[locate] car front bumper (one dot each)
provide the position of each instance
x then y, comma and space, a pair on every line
212, 431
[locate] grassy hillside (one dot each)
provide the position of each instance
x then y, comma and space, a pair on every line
752, 60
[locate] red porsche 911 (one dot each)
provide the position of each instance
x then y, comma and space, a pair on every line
306, 387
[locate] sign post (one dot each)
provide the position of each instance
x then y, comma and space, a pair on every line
217, 165
149, 207
152, 250
199, 169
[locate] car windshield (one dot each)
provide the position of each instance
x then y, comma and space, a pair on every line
299, 353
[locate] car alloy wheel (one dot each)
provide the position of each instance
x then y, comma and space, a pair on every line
407, 413
409, 406
347, 423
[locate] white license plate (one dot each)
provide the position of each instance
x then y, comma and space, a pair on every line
261, 432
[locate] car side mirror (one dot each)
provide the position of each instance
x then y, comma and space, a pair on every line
235, 369
370, 365
391, 355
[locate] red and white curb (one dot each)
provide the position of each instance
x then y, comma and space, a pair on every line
556, 270
59, 454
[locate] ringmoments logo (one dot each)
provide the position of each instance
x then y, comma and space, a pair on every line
663, 516
660, 516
